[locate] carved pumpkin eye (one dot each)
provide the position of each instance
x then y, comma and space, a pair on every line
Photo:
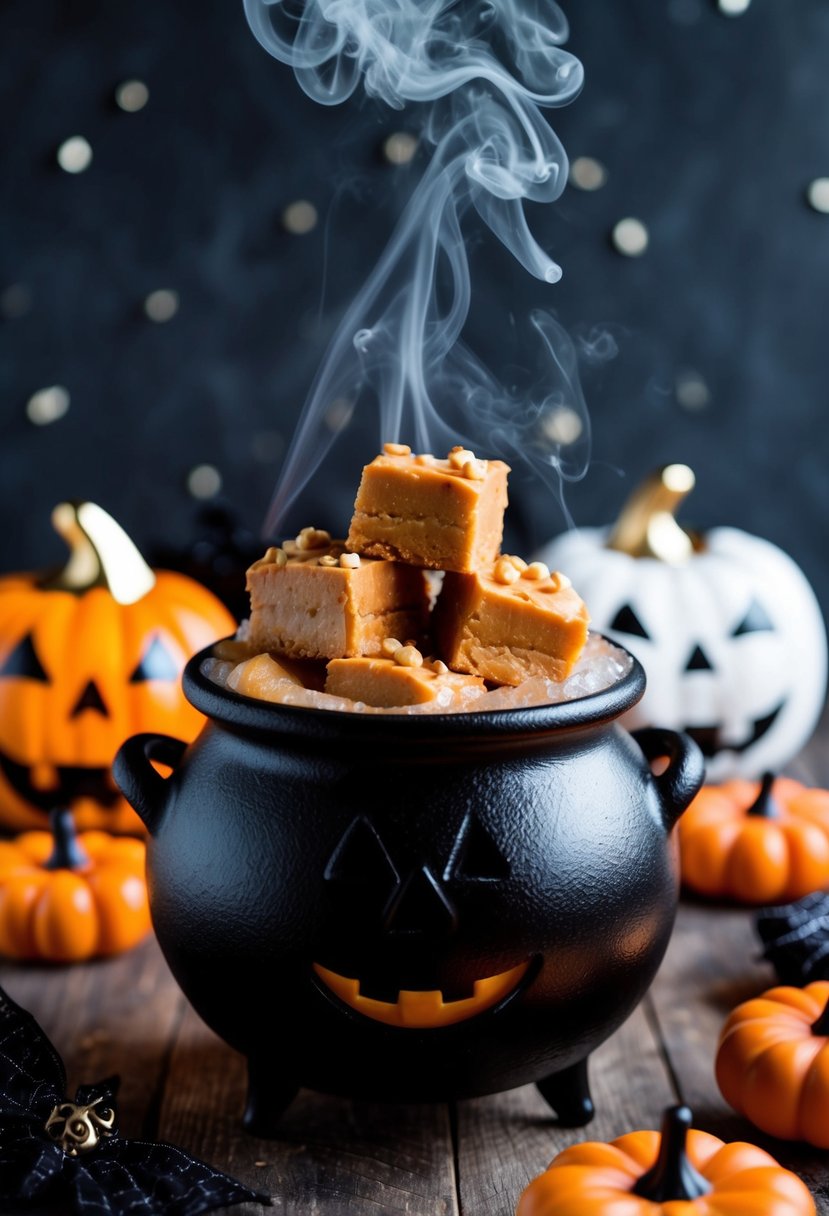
626, 621
24, 663
476, 856
156, 664
360, 859
756, 620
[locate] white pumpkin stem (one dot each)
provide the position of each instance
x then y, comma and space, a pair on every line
100, 555
647, 526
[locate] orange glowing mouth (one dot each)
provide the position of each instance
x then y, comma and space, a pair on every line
418, 1010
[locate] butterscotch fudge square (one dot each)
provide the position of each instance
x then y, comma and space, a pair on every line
440, 514
510, 622
402, 678
312, 600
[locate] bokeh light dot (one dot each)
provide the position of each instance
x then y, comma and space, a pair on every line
47, 405
162, 305
733, 8
563, 425
692, 393
338, 414
15, 301
132, 96
400, 148
300, 217
630, 237
204, 481
74, 154
818, 195
586, 173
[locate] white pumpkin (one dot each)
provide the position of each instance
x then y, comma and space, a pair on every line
727, 628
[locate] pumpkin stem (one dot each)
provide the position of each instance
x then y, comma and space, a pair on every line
764, 805
821, 1026
673, 1176
100, 555
647, 527
67, 853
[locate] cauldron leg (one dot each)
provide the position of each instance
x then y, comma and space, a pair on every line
568, 1093
270, 1092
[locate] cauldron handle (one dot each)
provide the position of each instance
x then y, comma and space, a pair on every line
144, 788
683, 777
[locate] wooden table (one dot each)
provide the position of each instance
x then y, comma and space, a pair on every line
181, 1083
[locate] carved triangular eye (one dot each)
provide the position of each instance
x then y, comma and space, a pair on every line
361, 859
24, 663
626, 621
476, 856
156, 664
756, 620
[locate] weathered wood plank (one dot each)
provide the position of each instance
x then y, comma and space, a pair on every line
112, 1016
505, 1140
334, 1157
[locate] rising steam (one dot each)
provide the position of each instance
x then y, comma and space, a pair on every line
486, 70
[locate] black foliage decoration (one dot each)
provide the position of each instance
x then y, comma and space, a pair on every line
218, 555
796, 938
113, 1178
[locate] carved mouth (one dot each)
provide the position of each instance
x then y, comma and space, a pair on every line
415, 1009
710, 741
64, 785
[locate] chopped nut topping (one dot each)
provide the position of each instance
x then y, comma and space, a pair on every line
408, 656
390, 646
475, 470
274, 556
425, 458
458, 457
561, 579
350, 561
518, 562
439, 667
505, 571
397, 449
328, 560
536, 570
313, 538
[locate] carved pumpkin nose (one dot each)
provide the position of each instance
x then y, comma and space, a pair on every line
90, 698
421, 907
698, 661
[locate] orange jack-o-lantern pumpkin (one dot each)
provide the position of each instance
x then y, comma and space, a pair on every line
88, 656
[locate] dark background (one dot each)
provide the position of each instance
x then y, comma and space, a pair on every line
711, 129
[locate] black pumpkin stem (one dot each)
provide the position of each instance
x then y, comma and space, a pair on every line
821, 1026
67, 853
673, 1176
764, 805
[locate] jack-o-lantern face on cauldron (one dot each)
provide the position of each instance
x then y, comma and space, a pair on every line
725, 624
412, 910
87, 657
412, 907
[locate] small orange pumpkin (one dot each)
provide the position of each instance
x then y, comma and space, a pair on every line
756, 844
88, 657
773, 1062
676, 1172
65, 898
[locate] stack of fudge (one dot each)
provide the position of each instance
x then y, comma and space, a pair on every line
359, 619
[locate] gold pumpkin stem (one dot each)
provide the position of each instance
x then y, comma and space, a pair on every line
647, 527
100, 555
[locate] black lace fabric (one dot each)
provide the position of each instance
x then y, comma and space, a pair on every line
115, 1178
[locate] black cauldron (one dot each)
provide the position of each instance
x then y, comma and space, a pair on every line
412, 908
